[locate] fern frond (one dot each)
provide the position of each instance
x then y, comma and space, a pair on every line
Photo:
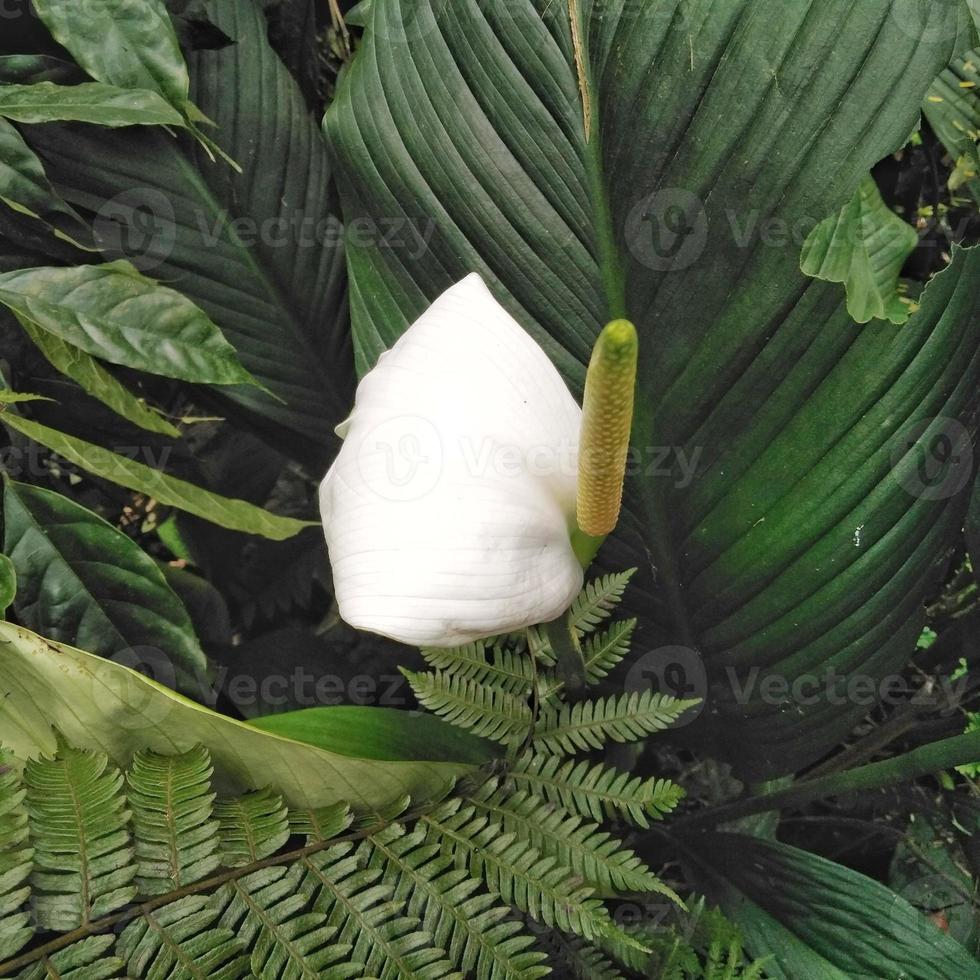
596, 856
83, 860
505, 669
270, 914
88, 959
540, 886
16, 862
595, 790
596, 602
600, 654
323, 823
182, 940
603, 651
582, 961
479, 934
176, 835
253, 827
483, 710
588, 725
355, 901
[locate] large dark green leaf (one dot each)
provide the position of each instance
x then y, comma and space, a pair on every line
719, 135
259, 252
83, 582
820, 920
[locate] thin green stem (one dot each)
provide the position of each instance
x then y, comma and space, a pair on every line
924, 761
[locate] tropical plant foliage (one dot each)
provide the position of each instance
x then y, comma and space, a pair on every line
151, 873
215, 215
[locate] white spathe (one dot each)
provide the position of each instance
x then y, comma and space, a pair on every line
448, 511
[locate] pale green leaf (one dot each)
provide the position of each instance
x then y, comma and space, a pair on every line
90, 102
864, 247
99, 703
236, 515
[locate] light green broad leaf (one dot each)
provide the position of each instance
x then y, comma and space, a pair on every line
115, 313
98, 704
864, 247
236, 515
90, 102
8, 584
86, 371
392, 735
665, 161
863, 930
84, 582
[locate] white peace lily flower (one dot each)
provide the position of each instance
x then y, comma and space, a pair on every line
449, 511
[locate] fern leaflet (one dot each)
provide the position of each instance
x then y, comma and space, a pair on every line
596, 602
482, 710
83, 860
594, 790
16, 863
176, 835
588, 725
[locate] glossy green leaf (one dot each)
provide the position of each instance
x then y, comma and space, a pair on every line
386, 734
114, 312
8, 584
99, 704
84, 582
23, 184
86, 371
261, 253
665, 162
236, 515
24, 69
8, 397
863, 931
127, 43
90, 102
865, 248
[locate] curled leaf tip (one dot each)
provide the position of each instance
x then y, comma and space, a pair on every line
606, 423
